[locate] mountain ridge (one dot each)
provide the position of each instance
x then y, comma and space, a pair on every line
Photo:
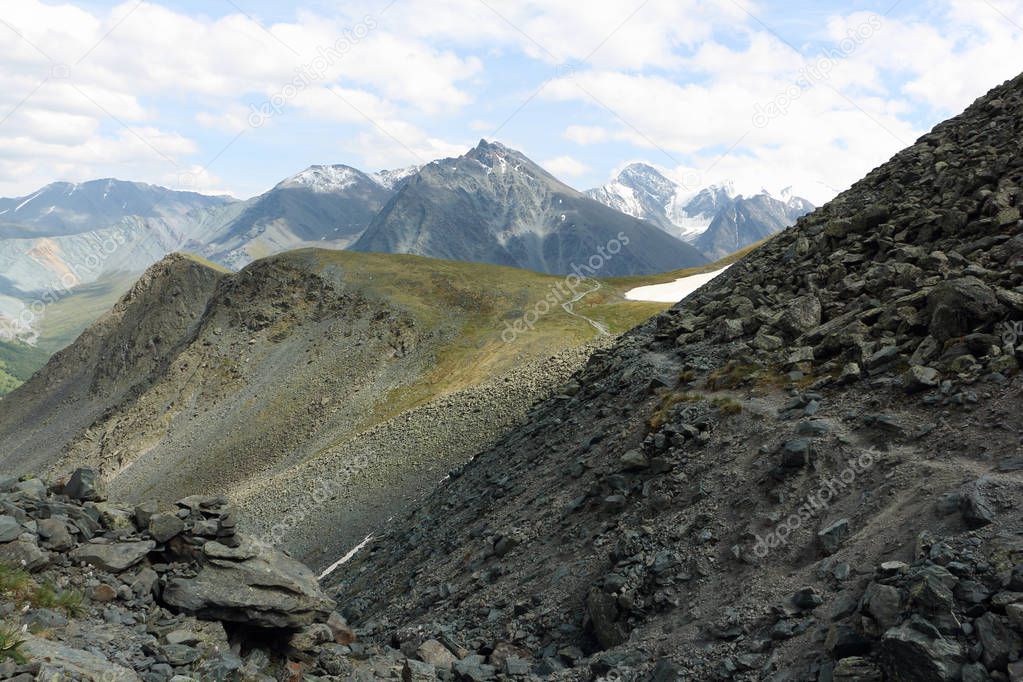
494, 205
714, 219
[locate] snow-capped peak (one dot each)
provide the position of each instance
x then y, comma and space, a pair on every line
326, 179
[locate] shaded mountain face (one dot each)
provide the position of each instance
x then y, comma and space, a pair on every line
494, 205
808, 469
642, 191
746, 221
326, 206
64, 208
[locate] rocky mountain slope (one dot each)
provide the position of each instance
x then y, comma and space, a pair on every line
325, 206
494, 205
808, 470
714, 219
311, 371
101, 591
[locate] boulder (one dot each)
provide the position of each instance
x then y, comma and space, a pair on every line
801, 315
918, 379
164, 526
24, 554
957, 306
998, 640
831, 537
10, 529
85, 485
65, 662
910, 655
55, 534
436, 654
976, 509
254, 584
883, 603
113, 557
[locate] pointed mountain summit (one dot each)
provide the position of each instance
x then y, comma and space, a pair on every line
495, 205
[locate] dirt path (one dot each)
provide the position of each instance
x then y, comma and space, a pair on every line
602, 329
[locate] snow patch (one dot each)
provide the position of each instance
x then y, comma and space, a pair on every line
672, 292
324, 179
346, 558
389, 179
22, 204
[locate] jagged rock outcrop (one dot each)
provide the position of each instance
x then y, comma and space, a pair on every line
108, 592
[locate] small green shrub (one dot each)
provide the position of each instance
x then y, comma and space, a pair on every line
11, 642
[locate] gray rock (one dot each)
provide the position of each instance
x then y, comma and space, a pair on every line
796, 453
164, 526
801, 315
55, 534
180, 654
957, 306
436, 654
310, 637
998, 640
10, 529
67, 661
266, 588
807, 599
85, 485
32, 487
975, 672
975, 507
633, 460
114, 557
883, 603
856, 669
909, 655
917, 379
24, 554
843, 640
832, 537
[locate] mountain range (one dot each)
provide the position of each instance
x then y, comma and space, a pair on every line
715, 219
491, 205
494, 205
808, 469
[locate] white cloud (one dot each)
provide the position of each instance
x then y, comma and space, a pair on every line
565, 166
586, 134
77, 78
409, 83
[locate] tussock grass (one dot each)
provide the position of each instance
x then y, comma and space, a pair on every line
11, 642
17, 585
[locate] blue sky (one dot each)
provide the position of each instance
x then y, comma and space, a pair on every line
767, 94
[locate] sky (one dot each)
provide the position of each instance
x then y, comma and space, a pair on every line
232, 96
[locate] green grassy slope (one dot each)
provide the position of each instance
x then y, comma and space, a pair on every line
17, 363
59, 325
483, 299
